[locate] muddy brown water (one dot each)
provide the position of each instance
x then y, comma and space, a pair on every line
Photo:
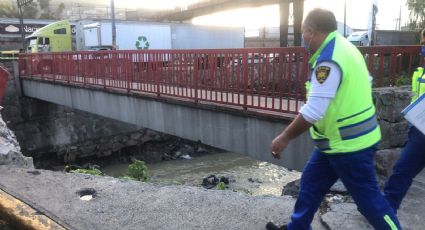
245, 174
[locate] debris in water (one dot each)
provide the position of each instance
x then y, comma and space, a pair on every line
211, 181
186, 156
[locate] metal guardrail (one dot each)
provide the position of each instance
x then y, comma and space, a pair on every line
4, 75
392, 65
266, 79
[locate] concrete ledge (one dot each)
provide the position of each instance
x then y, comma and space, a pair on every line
23, 216
122, 204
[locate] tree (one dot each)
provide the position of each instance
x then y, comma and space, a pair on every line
37, 9
417, 13
8, 10
46, 11
45, 8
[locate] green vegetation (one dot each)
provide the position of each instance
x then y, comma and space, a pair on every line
417, 13
42, 9
93, 171
138, 171
221, 186
402, 80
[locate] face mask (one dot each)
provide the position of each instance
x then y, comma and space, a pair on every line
306, 45
423, 51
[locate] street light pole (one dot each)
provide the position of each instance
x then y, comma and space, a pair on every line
399, 19
114, 31
345, 18
20, 4
21, 23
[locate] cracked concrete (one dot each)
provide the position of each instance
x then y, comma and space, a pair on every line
122, 204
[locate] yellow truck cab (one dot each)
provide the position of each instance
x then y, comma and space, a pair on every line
51, 38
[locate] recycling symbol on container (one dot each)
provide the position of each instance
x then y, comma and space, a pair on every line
142, 43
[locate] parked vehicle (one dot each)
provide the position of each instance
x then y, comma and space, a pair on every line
384, 37
54, 37
359, 38
90, 35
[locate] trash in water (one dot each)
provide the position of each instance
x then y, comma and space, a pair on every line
186, 156
211, 181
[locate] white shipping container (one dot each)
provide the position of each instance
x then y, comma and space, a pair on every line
143, 35
187, 36
130, 36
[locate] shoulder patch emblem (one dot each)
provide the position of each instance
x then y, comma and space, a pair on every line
322, 73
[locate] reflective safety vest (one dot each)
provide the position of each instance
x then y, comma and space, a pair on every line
418, 83
349, 123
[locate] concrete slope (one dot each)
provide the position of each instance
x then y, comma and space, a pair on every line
121, 204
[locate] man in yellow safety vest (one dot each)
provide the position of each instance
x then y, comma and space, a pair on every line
341, 117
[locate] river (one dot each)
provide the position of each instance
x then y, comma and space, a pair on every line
245, 174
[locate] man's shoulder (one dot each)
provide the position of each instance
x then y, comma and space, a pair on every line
325, 70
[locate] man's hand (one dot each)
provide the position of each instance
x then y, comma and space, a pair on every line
297, 126
279, 144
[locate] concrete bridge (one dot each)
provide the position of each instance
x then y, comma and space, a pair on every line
247, 132
237, 100
210, 7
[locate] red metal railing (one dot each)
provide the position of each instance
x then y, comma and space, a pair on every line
269, 79
4, 75
392, 65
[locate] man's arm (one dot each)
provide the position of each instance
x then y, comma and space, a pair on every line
324, 84
297, 127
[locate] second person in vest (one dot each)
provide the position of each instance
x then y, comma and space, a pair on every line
412, 158
341, 117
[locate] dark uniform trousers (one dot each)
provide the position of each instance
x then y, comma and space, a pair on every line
357, 172
411, 162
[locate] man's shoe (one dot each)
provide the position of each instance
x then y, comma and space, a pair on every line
271, 226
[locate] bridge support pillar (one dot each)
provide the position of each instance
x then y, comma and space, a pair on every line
298, 18
298, 9
284, 19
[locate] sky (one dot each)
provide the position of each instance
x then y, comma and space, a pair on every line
357, 12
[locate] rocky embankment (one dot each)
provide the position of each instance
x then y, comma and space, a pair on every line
10, 152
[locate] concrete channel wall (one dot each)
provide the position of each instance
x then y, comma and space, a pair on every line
228, 129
